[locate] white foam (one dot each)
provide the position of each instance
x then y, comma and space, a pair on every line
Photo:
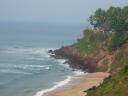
65, 65
59, 84
78, 72
25, 67
13, 71
36, 58
62, 63
40, 51
47, 68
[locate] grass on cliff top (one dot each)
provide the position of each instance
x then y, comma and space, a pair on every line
84, 46
91, 40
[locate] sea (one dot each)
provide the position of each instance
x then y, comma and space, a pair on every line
26, 68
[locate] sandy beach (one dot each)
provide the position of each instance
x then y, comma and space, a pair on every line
77, 87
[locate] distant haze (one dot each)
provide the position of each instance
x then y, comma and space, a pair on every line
64, 11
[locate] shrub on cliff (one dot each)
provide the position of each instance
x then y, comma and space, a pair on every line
92, 40
113, 19
118, 39
116, 86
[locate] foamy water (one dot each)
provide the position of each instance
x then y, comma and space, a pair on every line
60, 84
25, 64
33, 70
63, 82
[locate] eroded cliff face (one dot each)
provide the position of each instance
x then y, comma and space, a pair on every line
97, 61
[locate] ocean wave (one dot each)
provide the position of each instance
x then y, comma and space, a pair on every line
8, 71
65, 65
61, 62
40, 51
79, 72
36, 58
59, 84
25, 67
76, 74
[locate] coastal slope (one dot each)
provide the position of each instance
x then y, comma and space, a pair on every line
103, 48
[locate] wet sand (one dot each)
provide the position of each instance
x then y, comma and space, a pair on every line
80, 84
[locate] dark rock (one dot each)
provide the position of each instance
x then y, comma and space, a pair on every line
74, 59
93, 89
107, 79
51, 51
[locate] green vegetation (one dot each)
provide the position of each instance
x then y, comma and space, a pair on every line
111, 24
118, 40
113, 19
121, 58
109, 33
90, 41
105, 23
116, 86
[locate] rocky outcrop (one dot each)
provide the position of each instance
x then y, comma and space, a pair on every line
89, 63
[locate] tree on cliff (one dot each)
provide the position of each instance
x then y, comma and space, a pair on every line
113, 19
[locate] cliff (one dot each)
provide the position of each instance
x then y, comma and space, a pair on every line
99, 59
102, 49
96, 58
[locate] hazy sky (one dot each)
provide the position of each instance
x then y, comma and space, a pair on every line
64, 11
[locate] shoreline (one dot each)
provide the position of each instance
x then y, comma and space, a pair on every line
64, 84
78, 85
